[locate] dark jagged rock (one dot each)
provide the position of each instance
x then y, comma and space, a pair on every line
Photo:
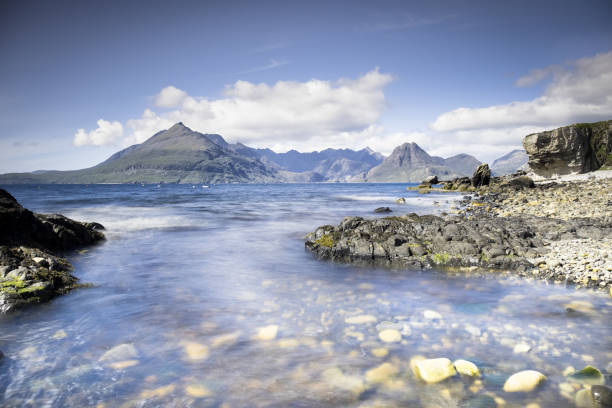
482, 176
30, 270
578, 148
518, 183
480, 240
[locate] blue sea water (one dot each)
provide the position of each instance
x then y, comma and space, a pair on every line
207, 297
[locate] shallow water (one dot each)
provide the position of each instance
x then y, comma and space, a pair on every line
192, 280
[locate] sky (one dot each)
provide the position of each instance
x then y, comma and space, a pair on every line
80, 80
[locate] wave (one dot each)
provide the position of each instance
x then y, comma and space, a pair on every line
128, 219
359, 197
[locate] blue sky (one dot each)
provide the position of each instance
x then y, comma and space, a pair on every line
81, 80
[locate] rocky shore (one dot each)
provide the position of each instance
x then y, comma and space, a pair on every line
31, 267
558, 231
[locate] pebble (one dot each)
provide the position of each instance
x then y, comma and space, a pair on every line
521, 348
382, 373
380, 352
120, 353
267, 332
390, 336
58, 335
584, 399
157, 392
467, 368
120, 365
432, 315
435, 370
524, 381
197, 391
588, 375
336, 378
196, 351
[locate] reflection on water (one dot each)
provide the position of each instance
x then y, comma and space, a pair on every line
207, 298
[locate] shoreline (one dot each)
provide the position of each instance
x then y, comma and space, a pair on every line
556, 230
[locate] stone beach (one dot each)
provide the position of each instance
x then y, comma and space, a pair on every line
556, 231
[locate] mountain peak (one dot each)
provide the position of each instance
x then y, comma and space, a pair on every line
178, 125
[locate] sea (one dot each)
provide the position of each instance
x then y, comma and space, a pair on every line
205, 296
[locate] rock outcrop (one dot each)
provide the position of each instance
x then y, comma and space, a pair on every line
511, 225
30, 269
482, 176
578, 148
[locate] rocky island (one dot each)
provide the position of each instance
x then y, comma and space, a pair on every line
549, 229
31, 267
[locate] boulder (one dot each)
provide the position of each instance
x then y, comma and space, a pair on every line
578, 148
518, 183
482, 176
20, 226
430, 180
29, 270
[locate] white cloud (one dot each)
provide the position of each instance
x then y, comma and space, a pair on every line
106, 133
284, 115
536, 75
170, 97
582, 92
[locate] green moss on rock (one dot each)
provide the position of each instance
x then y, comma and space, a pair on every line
326, 241
440, 258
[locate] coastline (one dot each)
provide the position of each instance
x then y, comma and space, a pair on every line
554, 230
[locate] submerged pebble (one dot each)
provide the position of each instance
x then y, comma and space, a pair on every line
390, 336
524, 381
435, 370
467, 368
267, 332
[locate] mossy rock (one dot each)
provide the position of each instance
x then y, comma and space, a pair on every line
588, 375
326, 241
440, 258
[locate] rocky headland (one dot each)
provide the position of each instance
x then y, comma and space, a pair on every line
31, 267
551, 230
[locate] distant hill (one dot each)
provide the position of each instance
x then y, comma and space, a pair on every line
176, 155
510, 163
410, 163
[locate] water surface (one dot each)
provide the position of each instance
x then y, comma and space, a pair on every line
192, 283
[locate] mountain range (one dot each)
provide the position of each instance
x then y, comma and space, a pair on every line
510, 162
181, 155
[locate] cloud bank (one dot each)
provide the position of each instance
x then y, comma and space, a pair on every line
284, 115
346, 113
581, 92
